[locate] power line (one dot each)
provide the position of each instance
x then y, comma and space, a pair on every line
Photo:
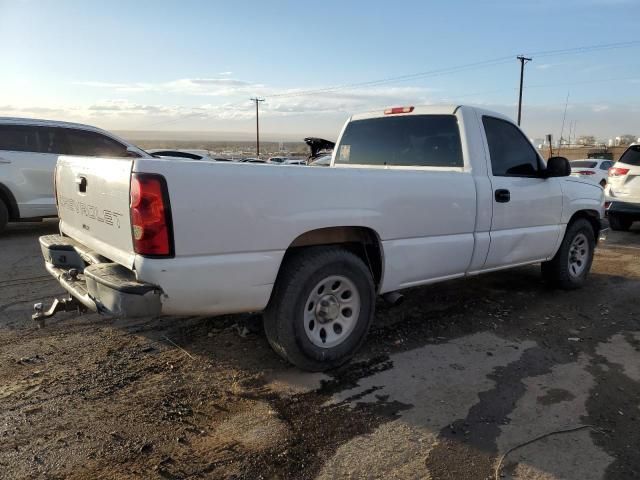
456, 69
546, 85
585, 49
437, 72
401, 78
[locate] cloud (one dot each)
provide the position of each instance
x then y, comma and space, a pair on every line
217, 86
224, 105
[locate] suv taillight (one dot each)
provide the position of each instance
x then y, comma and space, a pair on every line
618, 172
151, 215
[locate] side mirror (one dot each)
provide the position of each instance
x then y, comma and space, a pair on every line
557, 167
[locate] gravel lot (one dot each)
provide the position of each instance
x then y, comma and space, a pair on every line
447, 383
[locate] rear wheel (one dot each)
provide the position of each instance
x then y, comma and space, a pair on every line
321, 307
4, 215
570, 266
616, 222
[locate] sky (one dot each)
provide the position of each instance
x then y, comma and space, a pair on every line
192, 66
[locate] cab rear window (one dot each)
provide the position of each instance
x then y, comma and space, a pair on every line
408, 140
631, 156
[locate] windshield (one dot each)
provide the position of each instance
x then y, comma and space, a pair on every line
583, 164
631, 156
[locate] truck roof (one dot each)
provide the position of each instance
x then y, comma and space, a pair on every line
38, 122
428, 110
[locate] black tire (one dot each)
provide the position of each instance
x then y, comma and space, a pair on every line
284, 317
618, 223
556, 271
4, 216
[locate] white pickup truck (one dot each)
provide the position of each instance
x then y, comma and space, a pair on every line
413, 196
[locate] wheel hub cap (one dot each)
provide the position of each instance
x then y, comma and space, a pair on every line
578, 255
328, 309
331, 311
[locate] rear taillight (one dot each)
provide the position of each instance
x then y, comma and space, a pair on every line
394, 110
618, 172
586, 172
150, 215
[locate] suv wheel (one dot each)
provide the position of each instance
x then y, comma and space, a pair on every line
616, 222
321, 307
570, 266
4, 215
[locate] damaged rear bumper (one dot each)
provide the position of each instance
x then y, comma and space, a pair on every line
97, 283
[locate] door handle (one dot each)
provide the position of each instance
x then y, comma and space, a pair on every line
82, 184
503, 195
4, 160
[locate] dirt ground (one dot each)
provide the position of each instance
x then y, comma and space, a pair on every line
448, 383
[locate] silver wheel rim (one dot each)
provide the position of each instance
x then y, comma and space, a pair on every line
331, 311
578, 255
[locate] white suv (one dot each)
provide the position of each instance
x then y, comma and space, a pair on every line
623, 190
29, 151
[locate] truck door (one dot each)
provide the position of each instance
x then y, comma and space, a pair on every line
527, 208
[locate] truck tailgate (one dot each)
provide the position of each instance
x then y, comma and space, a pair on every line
93, 204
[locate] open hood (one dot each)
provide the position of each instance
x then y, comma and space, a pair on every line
318, 146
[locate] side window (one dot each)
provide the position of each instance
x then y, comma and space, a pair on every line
512, 155
52, 140
93, 144
606, 165
18, 138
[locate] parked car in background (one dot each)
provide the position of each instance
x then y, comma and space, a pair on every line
323, 161
415, 196
186, 154
277, 160
623, 190
602, 154
318, 147
295, 161
253, 160
593, 170
29, 149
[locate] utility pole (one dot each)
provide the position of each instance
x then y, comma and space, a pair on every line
257, 100
523, 60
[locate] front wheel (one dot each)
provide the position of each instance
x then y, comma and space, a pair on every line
321, 307
569, 268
